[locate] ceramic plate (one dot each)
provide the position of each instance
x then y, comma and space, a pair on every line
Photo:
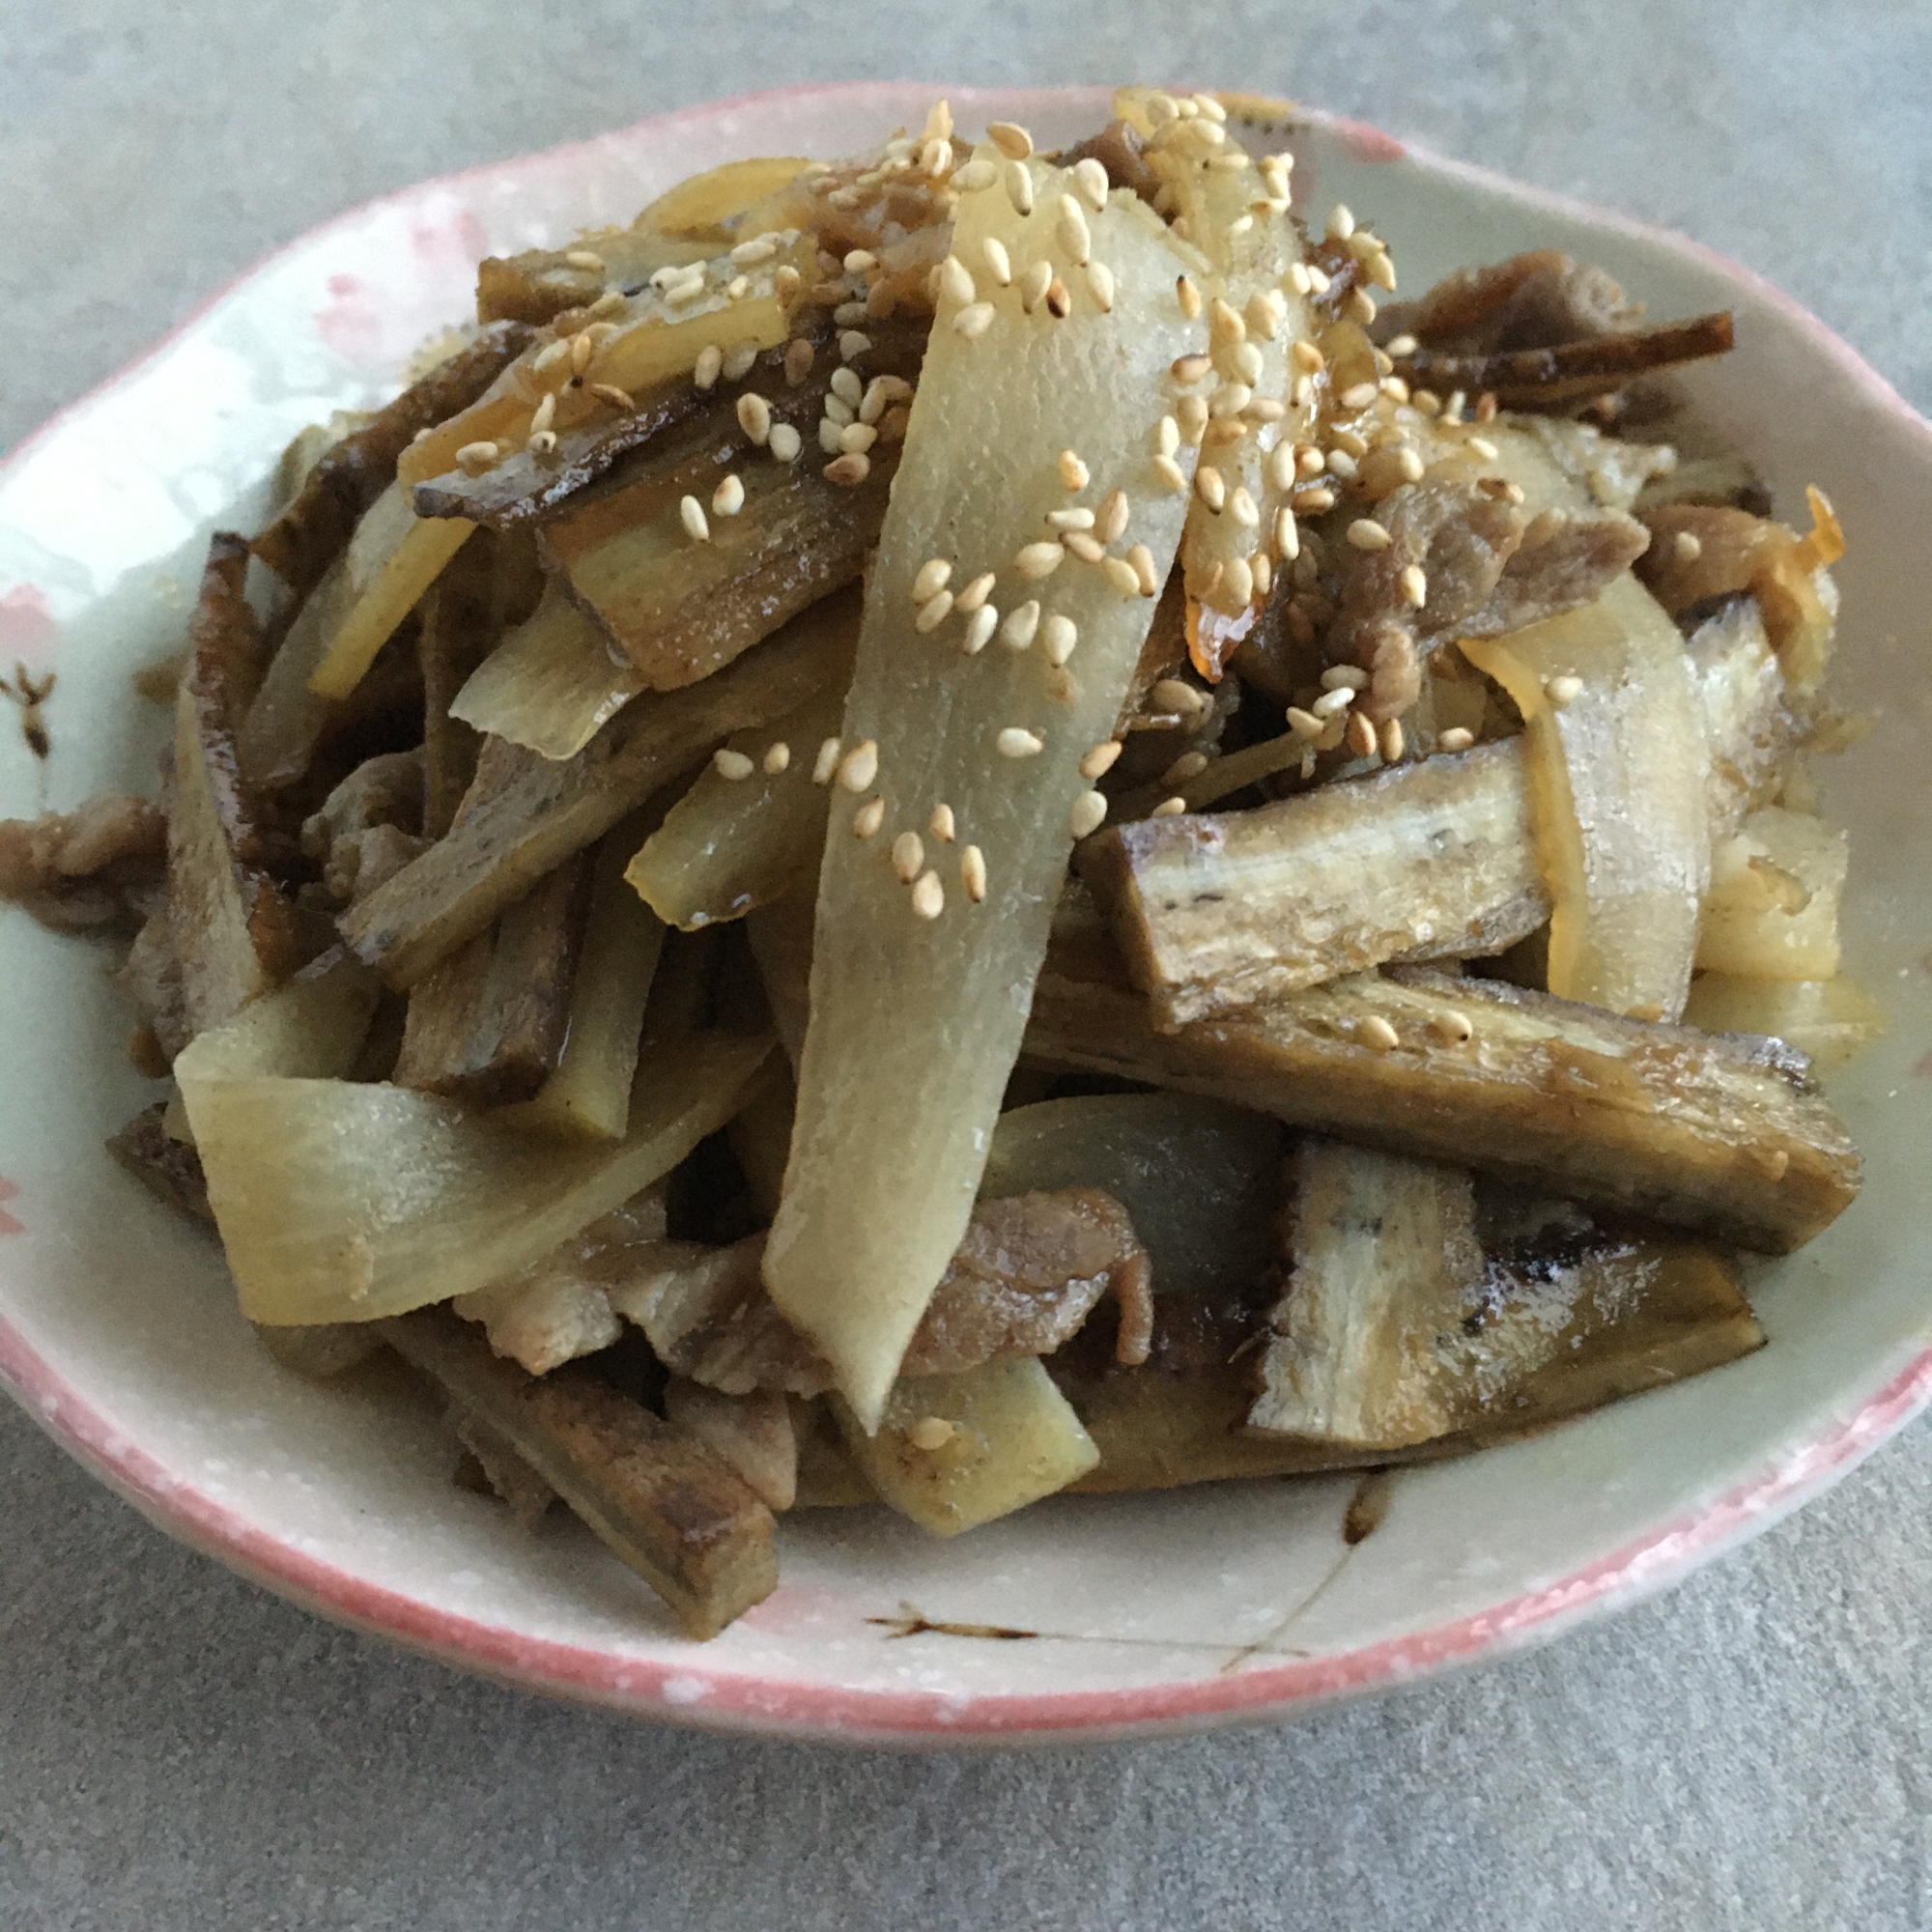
116, 1327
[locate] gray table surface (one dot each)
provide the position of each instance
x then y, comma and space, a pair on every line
178, 1750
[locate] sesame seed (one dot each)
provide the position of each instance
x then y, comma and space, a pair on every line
692, 513
853, 343
1408, 466
754, 416
728, 498
1451, 1028
1404, 345
1189, 765
1100, 759
932, 577
1238, 581
1361, 736
1190, 414
955, 281
759, 249
1016, 742
1357, 395
1264, 571
975, 318
1482, 446
974, 176
973, 870
738, 364
1305, 723
1365, 533
1090, 179
1036, 561
542, 443
1562, 691
1071, 520
847, 387
1287, 536
584, 258
786, 282
1018, 632
848, 470
474, 458
1242, 508
868, 819
582, 349
710, 362
1010, 138
1100, 285
1345, 677
1188, 296
1087, 814
1070, 231
777, 759
1086, 548
1110, 524
1299, 279
1073, 473
1019, 187
1171, 694
1210, 486
1059, 635
999, 263
1456, 739
936, 158
1336, 699
786, 443
940, 824
1169, 807
979, 627
1170, 474
1059, 299
1341, 463
1685, 548
550, 356
1314, 501
827, 762
933, 612
1139, 560
730, 764
1247, 361
799, 355
929, 1433
1375, 1034
1230, 400
908, 856
855, 439
543, 415
831, 426
976, 592
1189, 369
860, 766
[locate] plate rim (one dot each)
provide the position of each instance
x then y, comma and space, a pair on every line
685, 1691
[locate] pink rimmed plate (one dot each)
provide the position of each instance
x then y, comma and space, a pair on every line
117, 1327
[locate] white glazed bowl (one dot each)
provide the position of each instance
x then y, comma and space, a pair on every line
1166, 1612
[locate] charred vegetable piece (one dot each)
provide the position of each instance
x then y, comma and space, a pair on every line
893, 1121
752, 1434
732, 843
1383, 1262
539, 285
665, 1506
234, 930
589, 1092
551, 685
955, 1451
169, 1169
1772, 912
340, 1200
347, 478
1698, 1132
462, 621
1199, 1178
488, 1025
546, 810
1615, 764
1832, 1021
1571, 372
1419, 861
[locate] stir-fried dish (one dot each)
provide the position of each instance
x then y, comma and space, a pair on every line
943, 827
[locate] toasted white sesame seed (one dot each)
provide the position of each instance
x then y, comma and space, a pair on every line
1019, 187
1058, 638
1010, 138
1345, 677
1377, 1033
1139, 560
848, 470
974, 176
1360, 736
908, 856
831, 426
1341, 224
1456, 739
1287, 534
1358, 395
1187, 370
1073, 473
1247, 362
799, 355
737, 364
1238, 581
584, 258
784, 442
860, 766
1451, 1028
857, 437
1264, 571
1224, 322
1190, 415
1562, 691
928, 895
1016, 742
931, 1433
868, 819
1110, 523
1171, 694
1088, 814
1482, 446
1392, 741
976, 592
999, 264
848, 388
1188, 296
827, 762
1090, 178
1210, 486
853, 343
543, 415
1336, 699
1341, 463
1100, 759
759, 249
1241, 506
1414, 581
754, 416
975, 318
786, 282
1059, 302
955, 281
1365, 533
1313, 501
474, 458
1189, 765
1172, 476
1018, 632
940, 824
542, 443
1070, 231
692, 513
777, 759
933, 612
931, 577
728, 498
1101, 285
973, 872
859, 261
582, 349
980, 625
710, 362
1169, 807
731, 764
1036, 561
1686, 548
1071, 520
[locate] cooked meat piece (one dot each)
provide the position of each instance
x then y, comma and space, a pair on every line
1489, 570
1534, 300
753, 1433
169, 1169
369, 860
75, 871
513, 1480
383, 793
152, 975
1700, 551
1026, 1276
